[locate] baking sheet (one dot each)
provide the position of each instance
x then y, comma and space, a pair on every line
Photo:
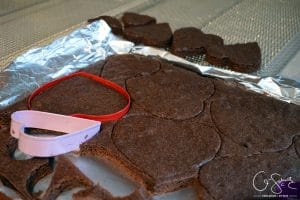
91, 43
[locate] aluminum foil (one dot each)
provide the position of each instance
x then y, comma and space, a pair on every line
83, 47
277, 87
94, 42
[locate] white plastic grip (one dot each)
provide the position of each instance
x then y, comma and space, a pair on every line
77, 131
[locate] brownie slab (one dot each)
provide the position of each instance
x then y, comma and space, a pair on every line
244, 58
237, 174
158, 35
191, 41
163, 93
259, 123
134, 19
121, 67
179, 123
158, 148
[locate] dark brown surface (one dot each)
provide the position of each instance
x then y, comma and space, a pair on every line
158, 35
191, 41
94, 98
66, 176
244, 58
158, 147
259, 123
134, 19
120, 68
97, 192
230, 178
20, 175
114, 23
218, 125
164, 93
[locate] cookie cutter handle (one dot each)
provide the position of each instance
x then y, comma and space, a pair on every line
77, 131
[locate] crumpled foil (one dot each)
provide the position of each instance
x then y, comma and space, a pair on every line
95, 42
277, 87
77, 50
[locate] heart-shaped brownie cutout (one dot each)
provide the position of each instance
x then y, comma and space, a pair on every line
134, 19
238, 57
173, 93
191, 41
122, 67
79, 95
158, 35
165, 150
261, 124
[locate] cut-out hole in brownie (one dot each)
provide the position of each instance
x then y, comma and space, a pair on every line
37, 175
105, 174
8, 192
66, 195
6, 183
19, 155
42, 185
66, 177
173, 93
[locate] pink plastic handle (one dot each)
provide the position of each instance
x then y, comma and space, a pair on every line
77, 131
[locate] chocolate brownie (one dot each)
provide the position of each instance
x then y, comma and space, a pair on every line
164, 93
231, 178
256, 122
134, 19
121, 67
140, 136
114, 23
244, 58
60, 98
179, 122
20, 175
66, 176
158, 35
97, 192
191, 41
